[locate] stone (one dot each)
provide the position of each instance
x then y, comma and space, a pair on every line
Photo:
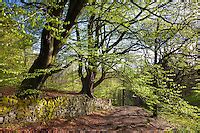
1, 119
69, 107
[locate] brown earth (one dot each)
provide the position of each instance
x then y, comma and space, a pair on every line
120, 119
9, 91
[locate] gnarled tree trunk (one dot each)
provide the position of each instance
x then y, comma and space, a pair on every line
50, 46
88, 84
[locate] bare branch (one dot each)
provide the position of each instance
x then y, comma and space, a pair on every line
116, 42
152, 12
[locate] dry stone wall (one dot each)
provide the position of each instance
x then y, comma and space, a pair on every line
34, 110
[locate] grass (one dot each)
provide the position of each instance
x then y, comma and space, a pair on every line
182, 123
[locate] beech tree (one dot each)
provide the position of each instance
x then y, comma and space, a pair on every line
110, 35
96, 55
170, 49
50, 45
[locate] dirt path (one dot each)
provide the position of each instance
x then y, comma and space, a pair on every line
121, 119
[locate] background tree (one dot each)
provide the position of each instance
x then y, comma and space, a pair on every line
15, 48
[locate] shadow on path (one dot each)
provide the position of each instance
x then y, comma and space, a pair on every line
121, 119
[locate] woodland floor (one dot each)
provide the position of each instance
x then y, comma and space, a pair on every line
120, 119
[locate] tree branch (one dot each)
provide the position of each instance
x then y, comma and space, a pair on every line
115, 43
152, 12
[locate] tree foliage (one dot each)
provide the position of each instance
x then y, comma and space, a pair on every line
147, 48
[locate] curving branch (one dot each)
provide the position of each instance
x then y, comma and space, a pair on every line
152, 12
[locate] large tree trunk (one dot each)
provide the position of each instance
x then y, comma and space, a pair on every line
87, 86
50, 46
87, 81
43, 61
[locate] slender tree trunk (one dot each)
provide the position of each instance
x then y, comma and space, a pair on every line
50, 46
198, 49
155, 83
88, 80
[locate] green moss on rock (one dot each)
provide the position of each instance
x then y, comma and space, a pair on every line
33, 110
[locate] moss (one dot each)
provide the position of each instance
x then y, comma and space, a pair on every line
4, 110
45, 109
